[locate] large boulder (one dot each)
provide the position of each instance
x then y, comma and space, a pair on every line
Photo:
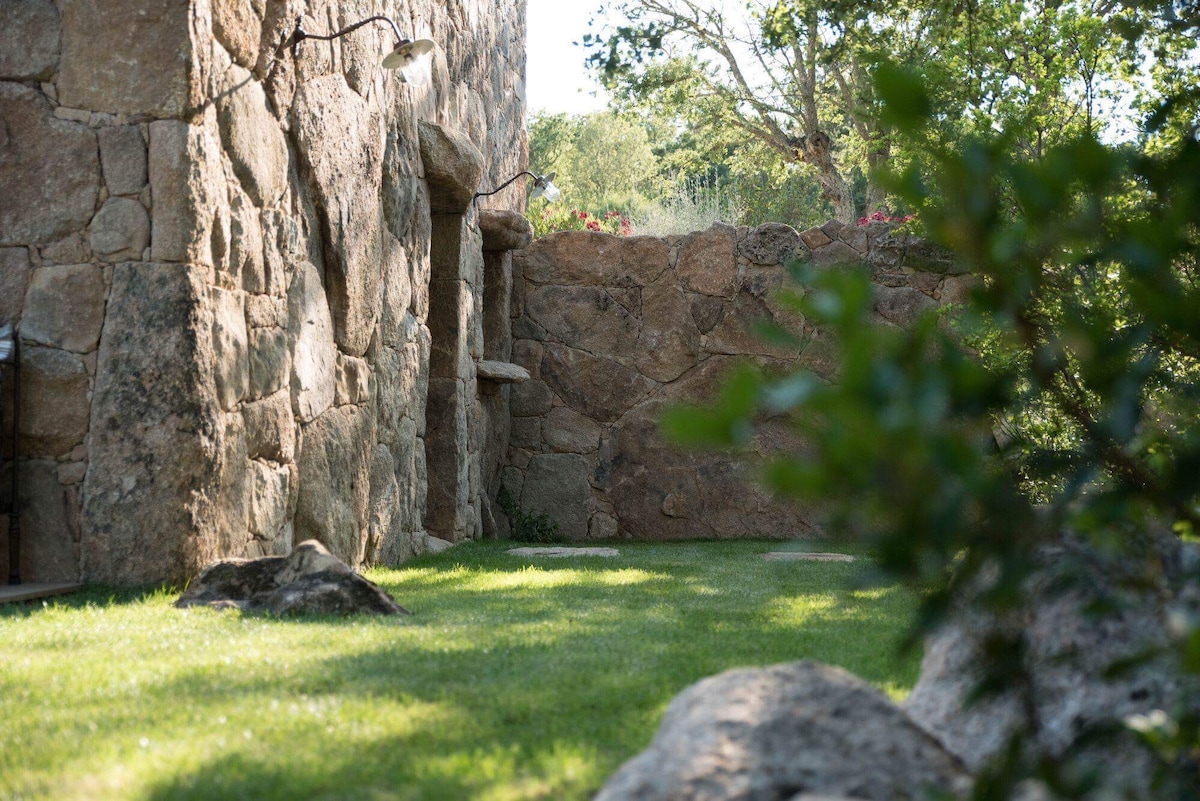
1084, 615
782, 732
310, 581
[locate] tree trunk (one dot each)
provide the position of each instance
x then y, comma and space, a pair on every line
817, 149
876, 194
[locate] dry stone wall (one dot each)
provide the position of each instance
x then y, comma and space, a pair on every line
223, 265
616, 330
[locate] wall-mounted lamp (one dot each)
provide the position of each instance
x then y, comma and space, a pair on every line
543, 186
407, 57
10, 357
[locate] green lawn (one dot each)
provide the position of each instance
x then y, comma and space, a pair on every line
513, 680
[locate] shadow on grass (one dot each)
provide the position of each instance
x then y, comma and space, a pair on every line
565, 679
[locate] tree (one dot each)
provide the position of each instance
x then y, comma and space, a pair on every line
796, 76
603, 160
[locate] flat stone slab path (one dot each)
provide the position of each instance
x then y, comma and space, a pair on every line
801, 556
558, 553
13, 593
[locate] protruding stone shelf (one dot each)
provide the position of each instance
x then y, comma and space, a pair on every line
500, 372
503, 229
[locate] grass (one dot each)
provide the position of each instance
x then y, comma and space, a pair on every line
515, 679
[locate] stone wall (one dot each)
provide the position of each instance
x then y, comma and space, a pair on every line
234, 275
614, 331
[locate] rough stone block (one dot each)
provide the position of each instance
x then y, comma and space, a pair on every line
453, 167
669, 342
123, 159
335, 481
252, 137
14, 278
246, 265
556, 484
598, 388
65, 307
587, 318
504, 229
902, 305
772, 243
957, 289
567, 431
147, 512
238, 24
187, 184
268, 499
708, 261
49, 169
815, 238
526, 432
29, 40
353, 380
120, 231
230, 347
314, 354
706, 312
340, 143
265, 311
49, 524
270, 361
592, 259
129, 57
72, 249
54, 401
530, 399
270, 428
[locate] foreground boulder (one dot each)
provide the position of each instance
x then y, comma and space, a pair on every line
1069, 650
799, 730
309, 582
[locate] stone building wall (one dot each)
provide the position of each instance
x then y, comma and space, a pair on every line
250, 288
614, 331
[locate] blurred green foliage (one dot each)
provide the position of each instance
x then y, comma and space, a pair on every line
1082, 345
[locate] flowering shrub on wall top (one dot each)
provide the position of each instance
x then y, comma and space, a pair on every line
879, 216
557, 218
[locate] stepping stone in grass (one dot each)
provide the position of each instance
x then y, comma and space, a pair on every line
801, 556
563, 552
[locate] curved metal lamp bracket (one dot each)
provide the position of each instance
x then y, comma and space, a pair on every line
299, 34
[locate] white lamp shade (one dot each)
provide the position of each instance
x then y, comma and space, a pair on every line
543, 186
409, 59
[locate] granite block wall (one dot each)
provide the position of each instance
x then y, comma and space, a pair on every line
221, 262
616, 330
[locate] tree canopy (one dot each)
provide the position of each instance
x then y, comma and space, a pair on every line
792, 79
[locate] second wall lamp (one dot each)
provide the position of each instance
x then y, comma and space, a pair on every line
543, 186
407, 57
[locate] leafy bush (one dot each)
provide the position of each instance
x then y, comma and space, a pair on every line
528, 526
1090, 259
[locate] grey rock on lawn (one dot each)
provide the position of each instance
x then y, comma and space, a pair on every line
563, 553
1068, 652
786, 731
309, 582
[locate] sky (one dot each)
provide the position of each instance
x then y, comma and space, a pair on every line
555, 78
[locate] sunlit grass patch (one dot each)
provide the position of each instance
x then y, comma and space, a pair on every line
515, 679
